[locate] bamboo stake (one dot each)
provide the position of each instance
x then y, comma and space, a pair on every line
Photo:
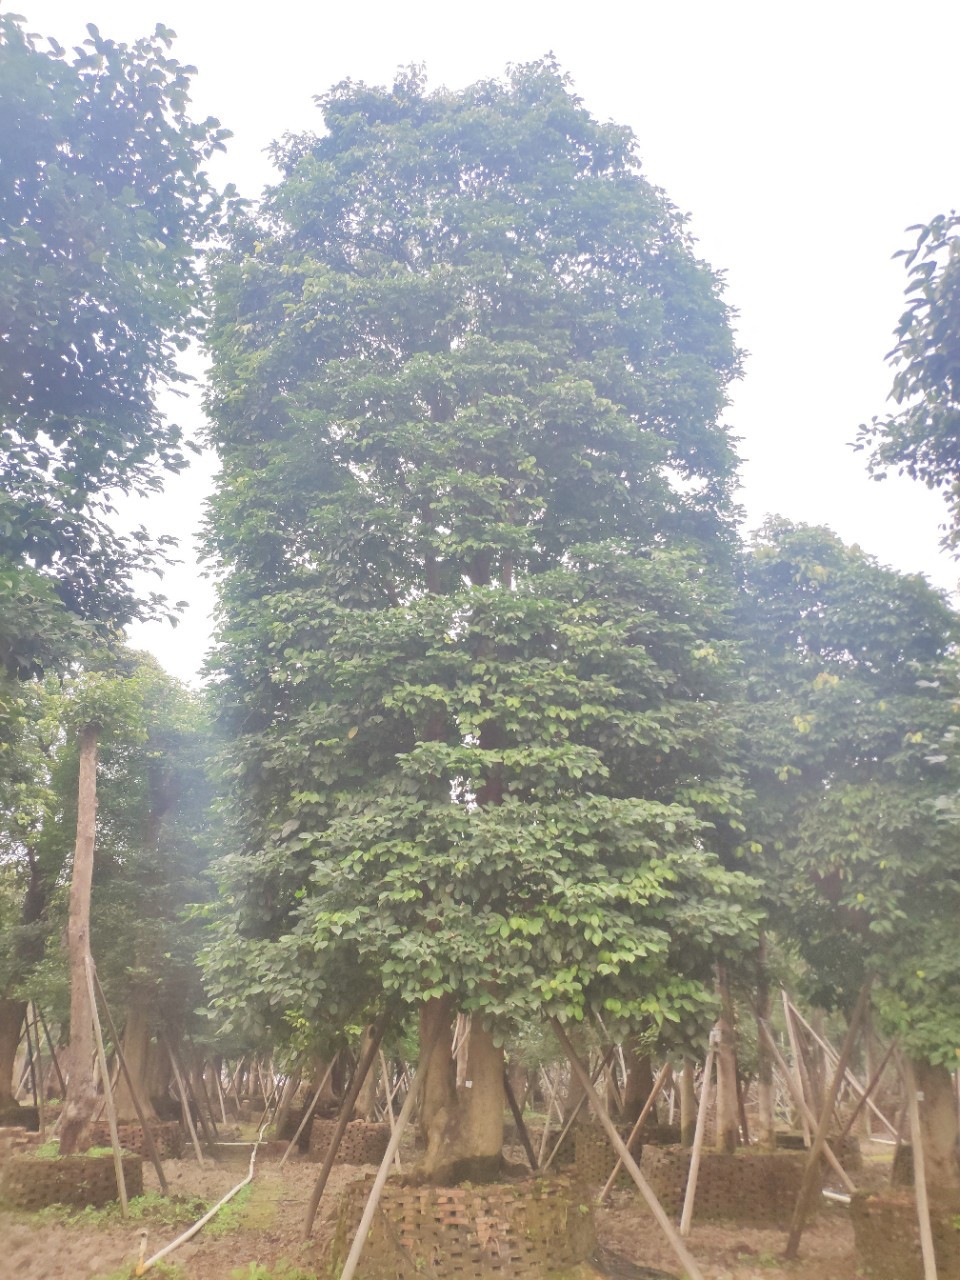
53, 1052
184, 1104
346, 1110
872, 1084
223, 1104
518, 1120
388, 1098
811, 1173
797, 1073
690, 1195
308, 1111
832, 1056
406, 1111
581, 1101
919, 1172
554, 1088
663, 1076
31, 1063
801, 1103
147, 1134
107, 1089
687, 1260
208, 1137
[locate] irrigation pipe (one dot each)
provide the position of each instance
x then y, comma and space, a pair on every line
190, 1232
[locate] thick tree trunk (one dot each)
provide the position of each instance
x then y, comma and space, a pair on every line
639, 1084
365, 1107
766, 1120
728, 1121
137, 1034
462, 1129
81, 1093
12, 1013
938, 1123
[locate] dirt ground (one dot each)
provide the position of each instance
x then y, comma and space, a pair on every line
264, 1225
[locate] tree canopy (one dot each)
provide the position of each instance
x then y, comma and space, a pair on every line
104, 209
475, 521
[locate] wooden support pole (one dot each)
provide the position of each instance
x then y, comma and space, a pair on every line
346, 1111
107, 1090
811, 1174
801, 1104
388, 1103
686, 1259
797, 1070
53, 1053
147, 1133
35, 1083
406, 1111
871, 1085
518, 1120
848, 1074
663, 1076
184, 1103
554, 1088
690, 1195
571, 1119
919, 1172
308, 1111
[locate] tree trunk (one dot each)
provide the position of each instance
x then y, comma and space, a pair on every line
81, 1094
728, 1120
365, 1107
12, 1013
639, 1084
766, 1120
137, 1034
462, 1129
938, 1122
688, 1104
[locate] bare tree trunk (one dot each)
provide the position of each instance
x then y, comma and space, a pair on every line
728, 1119
639, 1083
81, 1093
938, 1122
137, 1033
12, 1013
365, 1107
463, 1128
766, 1122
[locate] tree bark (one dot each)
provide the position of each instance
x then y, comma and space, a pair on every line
728, 1119
462, 1129
938, 1122
365, 1107
137, 1034
12, 1013
639, 1084
81, 1093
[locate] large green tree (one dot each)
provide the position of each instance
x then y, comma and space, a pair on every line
475, 525
850, 724
922, 438
104, 207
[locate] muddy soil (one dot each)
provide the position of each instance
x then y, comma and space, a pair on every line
263, 1226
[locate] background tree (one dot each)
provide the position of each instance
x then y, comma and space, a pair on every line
475, 522
923, 438
104, 207
850, 722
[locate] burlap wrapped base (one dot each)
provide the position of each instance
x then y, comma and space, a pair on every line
751, 1187
525, 1230
33, 1182
887, 1233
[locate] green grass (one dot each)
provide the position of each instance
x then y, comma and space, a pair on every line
163, 1211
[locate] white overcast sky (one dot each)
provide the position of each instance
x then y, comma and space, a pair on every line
801, 138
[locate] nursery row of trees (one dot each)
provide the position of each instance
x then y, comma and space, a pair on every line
509, 721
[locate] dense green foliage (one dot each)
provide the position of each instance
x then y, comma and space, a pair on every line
849, 722
923, 437
475, 521
104, 207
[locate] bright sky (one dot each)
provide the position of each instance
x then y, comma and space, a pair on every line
802, 138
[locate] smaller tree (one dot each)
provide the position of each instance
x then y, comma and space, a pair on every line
847, 714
